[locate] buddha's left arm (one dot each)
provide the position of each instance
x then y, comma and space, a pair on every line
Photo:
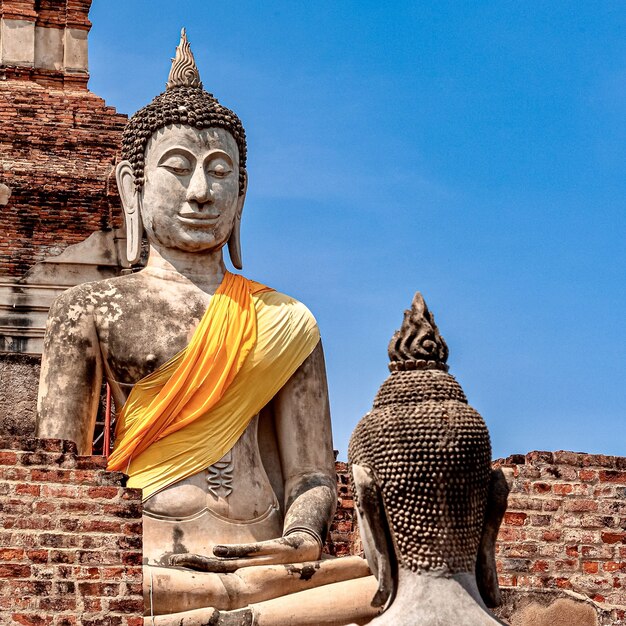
303, 430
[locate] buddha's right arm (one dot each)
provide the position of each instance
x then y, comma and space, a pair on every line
71, 372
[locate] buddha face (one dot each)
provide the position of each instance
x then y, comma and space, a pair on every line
190, 197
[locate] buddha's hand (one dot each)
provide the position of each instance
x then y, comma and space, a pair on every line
296, 547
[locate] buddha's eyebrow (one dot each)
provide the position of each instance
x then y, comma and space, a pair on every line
177, 150
217, 153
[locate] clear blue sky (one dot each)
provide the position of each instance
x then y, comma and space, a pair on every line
475, 151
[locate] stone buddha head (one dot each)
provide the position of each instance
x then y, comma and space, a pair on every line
428, 502
183, 174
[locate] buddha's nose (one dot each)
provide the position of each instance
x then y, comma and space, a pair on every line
199, 189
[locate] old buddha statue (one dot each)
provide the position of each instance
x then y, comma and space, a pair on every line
223, 417
428, 502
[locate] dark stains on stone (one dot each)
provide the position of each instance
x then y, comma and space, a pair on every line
239, 617
177, 537
303, 572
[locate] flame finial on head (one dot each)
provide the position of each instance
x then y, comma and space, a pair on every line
184, 72
418, 344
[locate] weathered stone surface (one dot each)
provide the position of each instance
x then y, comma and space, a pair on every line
554, 608
19, 376
261, 512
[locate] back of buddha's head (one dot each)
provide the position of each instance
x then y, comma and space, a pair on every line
184, 101
429, 451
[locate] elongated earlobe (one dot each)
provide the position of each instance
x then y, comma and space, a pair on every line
131, 203
378, 543
234, 241
234, 244
134, 234
486, 574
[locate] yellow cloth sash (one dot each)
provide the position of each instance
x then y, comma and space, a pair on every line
189, 412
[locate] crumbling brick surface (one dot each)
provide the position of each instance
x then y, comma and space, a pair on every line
58, 146
565, 527
70, 538
343, 537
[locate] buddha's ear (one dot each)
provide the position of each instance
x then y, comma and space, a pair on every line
486, 575
234, 241
131, 203
376, 534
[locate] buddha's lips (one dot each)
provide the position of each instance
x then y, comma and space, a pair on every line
198, 218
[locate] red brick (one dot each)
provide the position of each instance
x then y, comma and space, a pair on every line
27, 490
568, 458
591, 567
542, 487
103, 492
100, 526
8, 570
612, 566
98, 589
587, 475
8, 458
59, 491
91, 462
581, 505
552, 504
540, 566
11, 554
540, 456
514, 518
551, 535
31, 619
612, 476
126, 606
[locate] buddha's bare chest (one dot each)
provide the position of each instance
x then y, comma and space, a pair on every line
146, 334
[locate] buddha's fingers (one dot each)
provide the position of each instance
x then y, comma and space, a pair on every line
261, 548
202, 563
295, 547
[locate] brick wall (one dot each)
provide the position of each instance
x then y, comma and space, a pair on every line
343, 537
70, 539
57, 152
565, 527
70, 536
49, 13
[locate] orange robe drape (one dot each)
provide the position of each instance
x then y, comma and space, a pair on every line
190, 411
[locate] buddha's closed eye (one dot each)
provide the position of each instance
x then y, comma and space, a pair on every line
177, 164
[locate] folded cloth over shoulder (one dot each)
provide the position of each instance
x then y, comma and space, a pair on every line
189, 412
